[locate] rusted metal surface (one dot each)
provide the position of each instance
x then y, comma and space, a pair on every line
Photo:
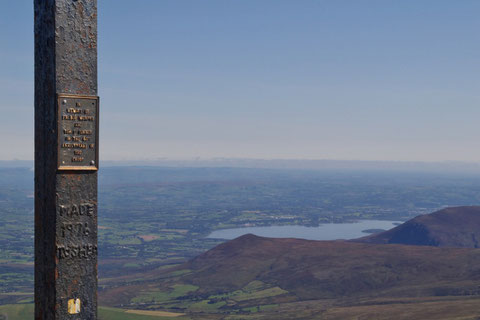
65, 200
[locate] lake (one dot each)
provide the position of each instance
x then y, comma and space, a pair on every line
328, 231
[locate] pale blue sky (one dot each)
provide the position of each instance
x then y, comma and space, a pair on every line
337, 79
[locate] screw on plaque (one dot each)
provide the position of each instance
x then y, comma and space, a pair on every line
92, 162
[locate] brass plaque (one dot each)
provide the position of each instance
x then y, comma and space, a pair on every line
77, 132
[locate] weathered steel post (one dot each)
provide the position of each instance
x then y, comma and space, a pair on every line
66, 159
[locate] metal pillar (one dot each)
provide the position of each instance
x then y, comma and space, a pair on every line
66, 159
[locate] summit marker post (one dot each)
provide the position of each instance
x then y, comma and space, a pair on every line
66, 159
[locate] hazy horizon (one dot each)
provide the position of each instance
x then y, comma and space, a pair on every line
439, 167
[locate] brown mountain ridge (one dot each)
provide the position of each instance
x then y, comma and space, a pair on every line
450, 227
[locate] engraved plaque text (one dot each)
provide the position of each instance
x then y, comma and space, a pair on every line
77, 132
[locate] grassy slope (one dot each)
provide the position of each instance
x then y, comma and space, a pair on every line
442, 309
16, 312
468, 309
25, 312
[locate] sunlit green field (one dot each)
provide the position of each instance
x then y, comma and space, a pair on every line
16, 312
25, 312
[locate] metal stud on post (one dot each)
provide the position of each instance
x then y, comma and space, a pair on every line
66, 159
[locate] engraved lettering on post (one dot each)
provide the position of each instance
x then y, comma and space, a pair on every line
82, 251
74, 210
75, 229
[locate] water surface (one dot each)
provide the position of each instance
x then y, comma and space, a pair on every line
328, 231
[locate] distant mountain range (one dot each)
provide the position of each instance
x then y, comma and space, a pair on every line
426, 268
303, 164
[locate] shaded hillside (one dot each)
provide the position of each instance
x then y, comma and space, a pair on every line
332, 269
263, 276
450, 227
